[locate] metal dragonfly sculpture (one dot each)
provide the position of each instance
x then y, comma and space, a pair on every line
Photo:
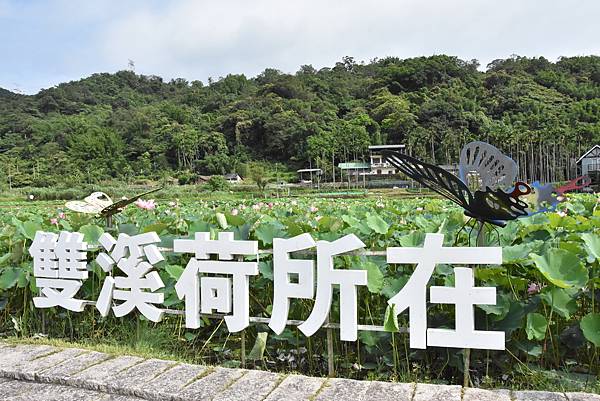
101, 204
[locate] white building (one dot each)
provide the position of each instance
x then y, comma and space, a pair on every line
589, 163
380, 166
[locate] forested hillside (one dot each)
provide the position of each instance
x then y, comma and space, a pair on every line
127, 126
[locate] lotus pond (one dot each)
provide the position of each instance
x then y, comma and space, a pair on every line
547, 289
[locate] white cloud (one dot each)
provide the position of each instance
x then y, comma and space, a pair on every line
196, 39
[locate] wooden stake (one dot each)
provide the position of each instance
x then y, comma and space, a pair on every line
330, 359
243, 350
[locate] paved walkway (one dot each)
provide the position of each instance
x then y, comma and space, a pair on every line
41, 372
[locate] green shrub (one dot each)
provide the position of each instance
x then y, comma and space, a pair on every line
217, 183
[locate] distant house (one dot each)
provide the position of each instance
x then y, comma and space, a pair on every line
379, 165
233, 178
589, 163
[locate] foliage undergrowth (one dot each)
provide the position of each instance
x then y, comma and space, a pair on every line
547, 297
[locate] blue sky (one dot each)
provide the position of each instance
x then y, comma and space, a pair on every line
43, 43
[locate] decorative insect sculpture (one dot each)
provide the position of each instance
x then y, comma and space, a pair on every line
102, 205
490, 205
497, 198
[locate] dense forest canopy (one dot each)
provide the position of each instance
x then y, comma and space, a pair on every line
125, 126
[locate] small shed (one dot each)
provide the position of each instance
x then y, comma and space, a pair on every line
233, 178
451, 168
355, 168
306, 174
589, 163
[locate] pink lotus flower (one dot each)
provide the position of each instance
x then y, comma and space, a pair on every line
533, 288
54, 221
61, 215
313, 209
256, 207
270, 205
146, 205
234, 212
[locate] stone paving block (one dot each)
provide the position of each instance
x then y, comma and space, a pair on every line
343, 389
437, 392
137, 376
55, 392
208, 386
28, 371
583, 397
98, 377
21, 354
173, 380
62, 372
113, 397
13, 388
478, 394
383, 391
253, 386
538, 396
136, 379
296, 388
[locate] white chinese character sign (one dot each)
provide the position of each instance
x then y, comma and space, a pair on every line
219, 272
464, 294
327, 276
134, 256
216, 293
59, 266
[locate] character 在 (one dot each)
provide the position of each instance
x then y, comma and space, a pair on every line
464, 295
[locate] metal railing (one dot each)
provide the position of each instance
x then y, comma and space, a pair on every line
329, 326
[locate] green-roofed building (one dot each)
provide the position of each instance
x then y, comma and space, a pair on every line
354, 166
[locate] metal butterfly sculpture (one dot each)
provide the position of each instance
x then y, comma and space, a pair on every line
493, 169
489, 205
100, 203
487, 169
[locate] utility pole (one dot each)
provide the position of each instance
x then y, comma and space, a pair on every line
277, 178
333, 168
